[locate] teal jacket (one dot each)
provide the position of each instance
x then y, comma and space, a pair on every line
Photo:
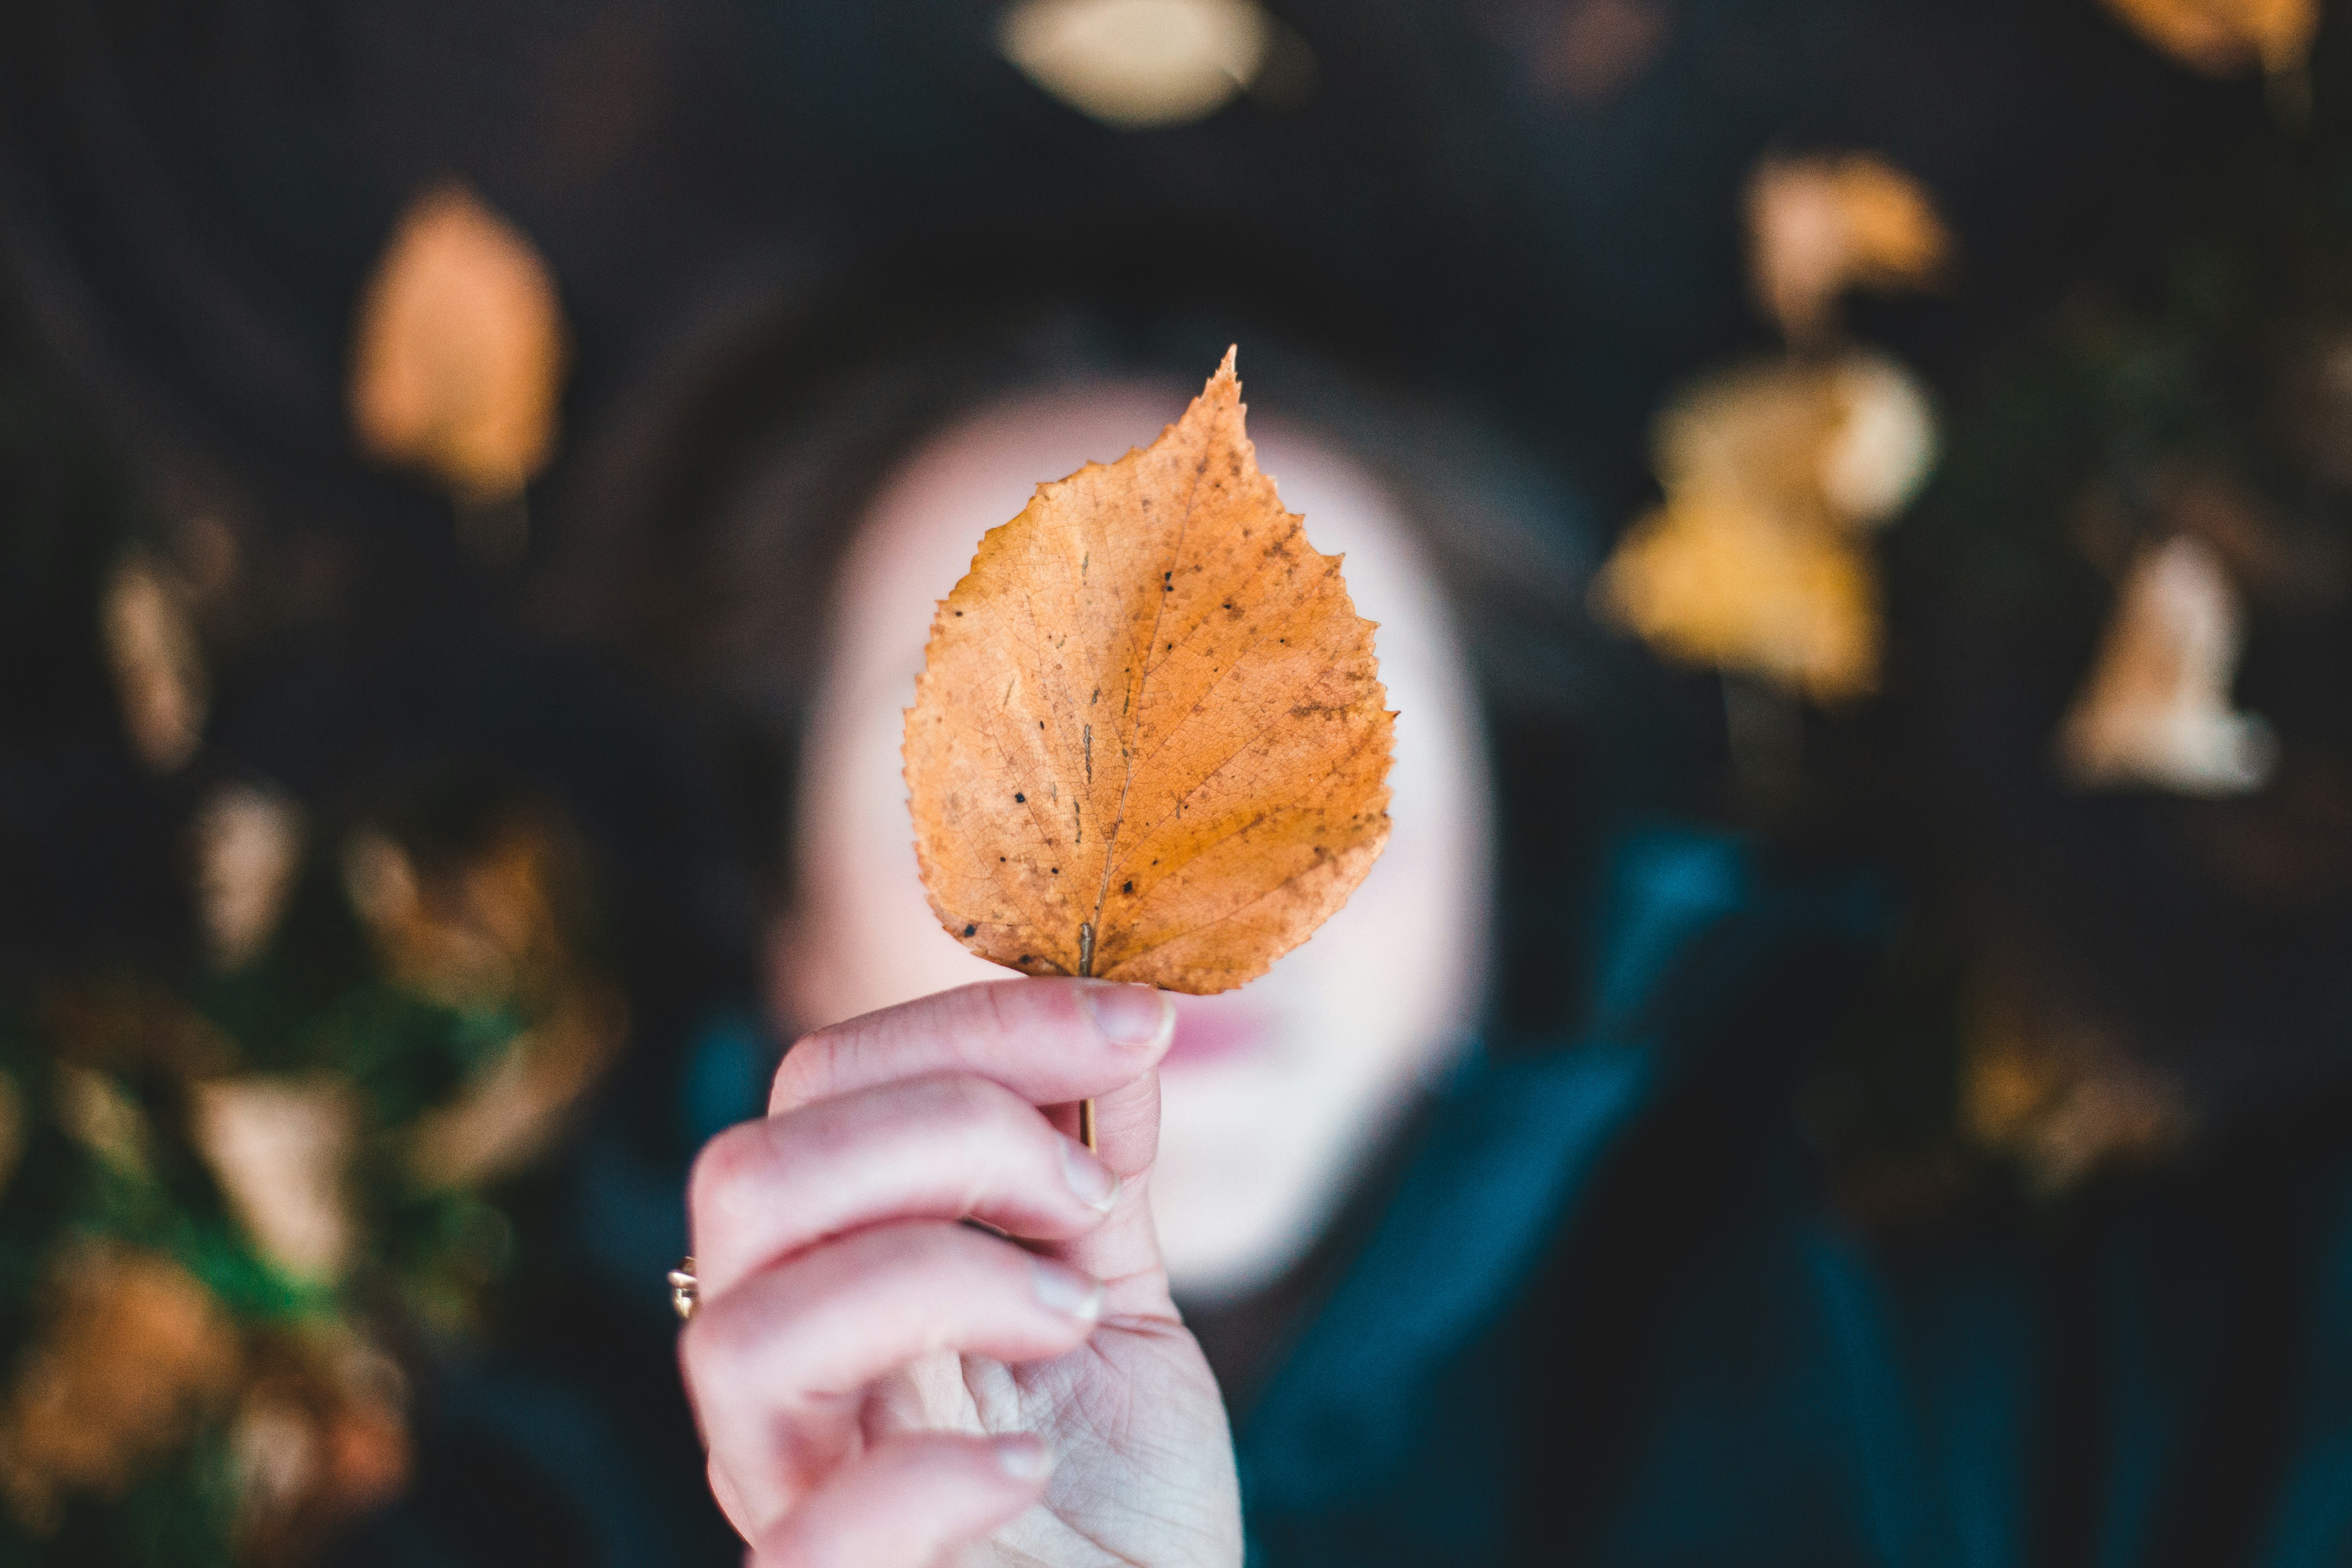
1611, 1319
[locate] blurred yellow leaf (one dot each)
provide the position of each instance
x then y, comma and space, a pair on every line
1738, 588
1821, 225
1844, 445
159, 673
2155, 709
459, 350
2226, 38
1769, 472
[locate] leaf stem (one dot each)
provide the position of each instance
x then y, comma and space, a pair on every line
1087, 972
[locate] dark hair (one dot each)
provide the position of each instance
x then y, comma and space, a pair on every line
712, 532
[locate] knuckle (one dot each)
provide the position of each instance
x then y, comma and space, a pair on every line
799, 1076
990, 1134
927, 1248
727, 1166
969, 1100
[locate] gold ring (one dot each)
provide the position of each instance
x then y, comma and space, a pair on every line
685, 1289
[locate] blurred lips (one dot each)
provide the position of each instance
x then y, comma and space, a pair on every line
1210, 1028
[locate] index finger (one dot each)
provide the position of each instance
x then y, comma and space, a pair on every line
1049, 1040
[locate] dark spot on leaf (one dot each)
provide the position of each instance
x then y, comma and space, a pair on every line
1127, 887
1020, 799
969, 929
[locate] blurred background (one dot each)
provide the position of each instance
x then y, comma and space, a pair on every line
1940, 415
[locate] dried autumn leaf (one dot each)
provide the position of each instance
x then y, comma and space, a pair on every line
1820, 225
2155, 709
1843, 445
130, 1353
1738, 588
459, 349
1770, 471
1149, 741
2223, 37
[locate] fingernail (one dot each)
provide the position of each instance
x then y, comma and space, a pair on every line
1128, 1014
1065, 1290
1024, 1459
1088, 1177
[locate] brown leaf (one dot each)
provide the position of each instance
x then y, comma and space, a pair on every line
1820, 225
2224, 37
459, 349
1150, 731
129, 1350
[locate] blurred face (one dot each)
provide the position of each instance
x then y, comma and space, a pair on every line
1273, 1095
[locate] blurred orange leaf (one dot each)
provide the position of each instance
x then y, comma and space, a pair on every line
2226, 38
1149, 741
131, 1349
459, 349
1820, 225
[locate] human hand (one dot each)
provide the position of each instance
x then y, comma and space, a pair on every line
880, 1384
